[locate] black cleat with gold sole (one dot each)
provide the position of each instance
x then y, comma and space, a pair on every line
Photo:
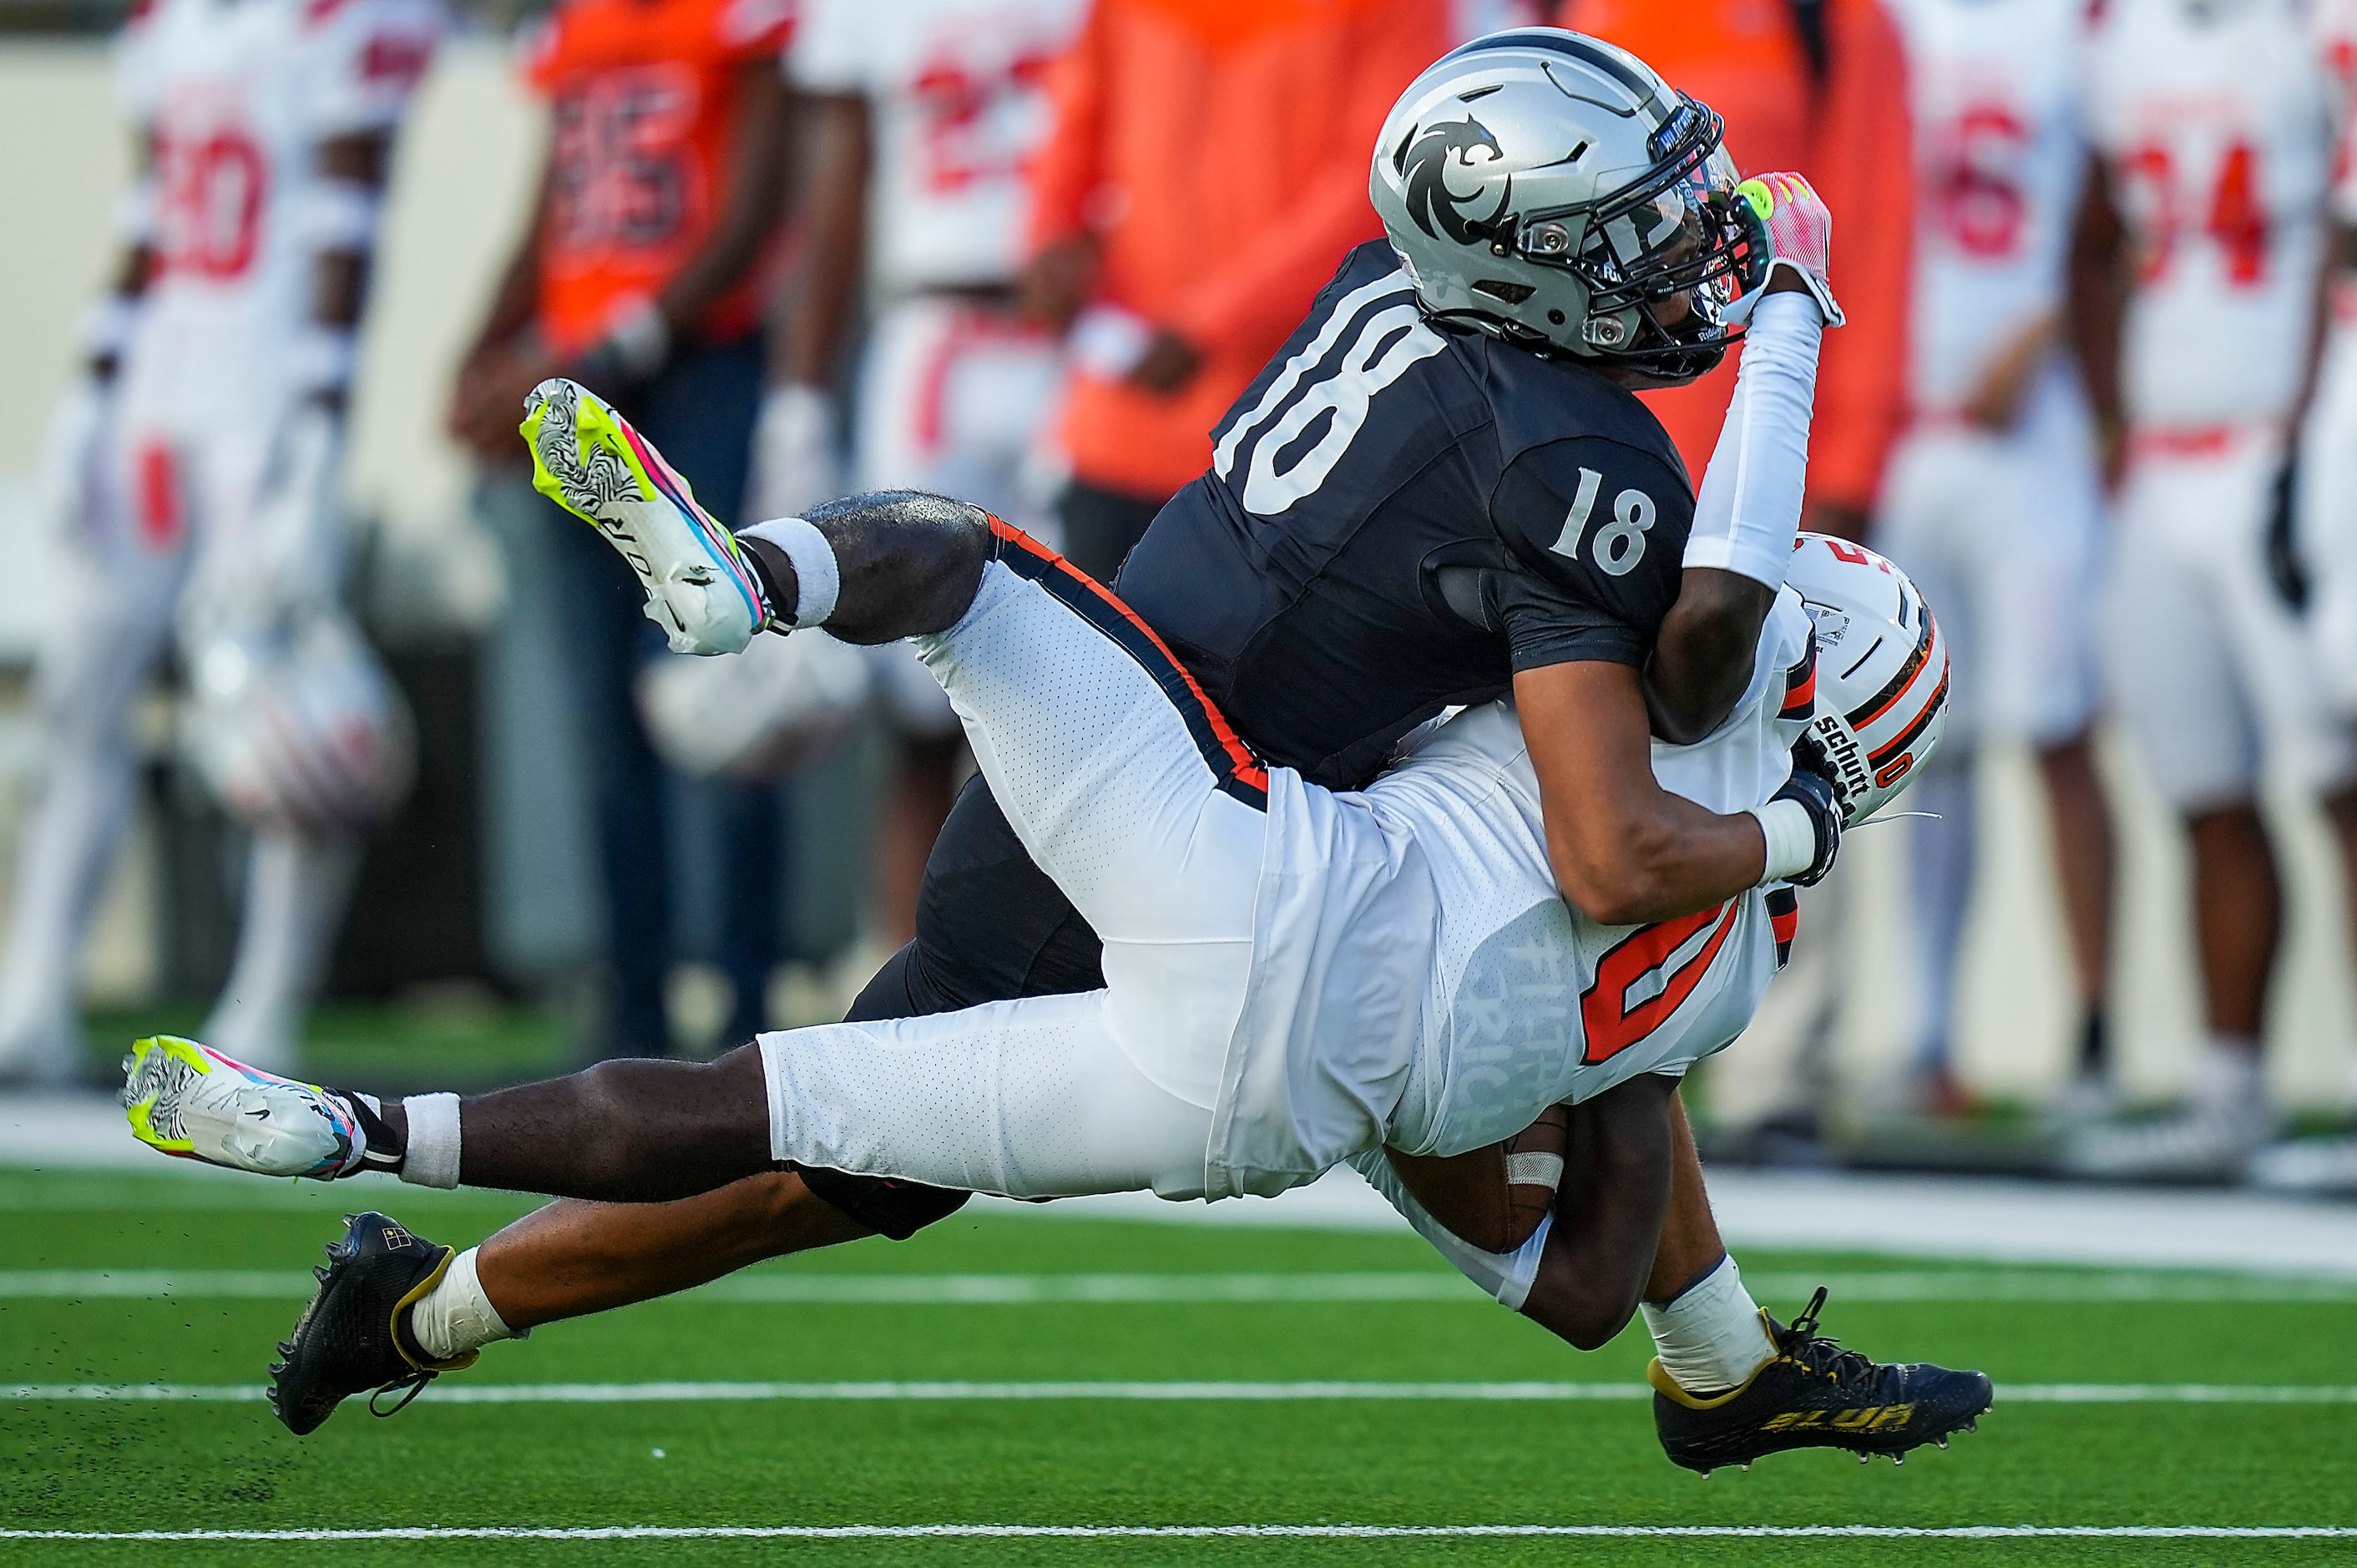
353, 1338
1816, 1394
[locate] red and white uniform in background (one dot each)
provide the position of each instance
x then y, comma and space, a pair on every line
1999, 529
202, 503
956, 391
2216, 127
2328, 456
239, 96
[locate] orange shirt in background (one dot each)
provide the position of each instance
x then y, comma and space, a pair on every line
1218, 151
1745, 59
644, 98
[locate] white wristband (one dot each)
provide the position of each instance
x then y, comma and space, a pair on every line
431, 1158
817, 579
640, 337
1792, 836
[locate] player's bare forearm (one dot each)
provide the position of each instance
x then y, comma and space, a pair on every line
1702, 660
832, 216
2097, 293
1608, 1214
1623, 849
749, 213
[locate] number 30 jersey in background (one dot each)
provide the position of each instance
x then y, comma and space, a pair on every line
2215, 127
237, 96
1397, 519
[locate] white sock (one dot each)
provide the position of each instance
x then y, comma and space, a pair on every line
1711, 1339
431, 1156
817, 577
2230, 1074
456, 1317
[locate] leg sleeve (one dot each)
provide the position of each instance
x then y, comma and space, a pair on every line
1029, 1098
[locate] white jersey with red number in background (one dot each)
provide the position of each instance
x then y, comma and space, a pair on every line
2216, 128
1999, 151
957, 94
239, 96
2334, 25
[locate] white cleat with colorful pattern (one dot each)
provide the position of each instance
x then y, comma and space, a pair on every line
700, 587
191, 1101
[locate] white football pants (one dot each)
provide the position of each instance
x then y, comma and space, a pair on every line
1130, 790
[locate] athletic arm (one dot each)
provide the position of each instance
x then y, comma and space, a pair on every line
832, 216
355, 167
2097, 305
1744, 520
749, 214
1624, 850
481, 415
1581, 1273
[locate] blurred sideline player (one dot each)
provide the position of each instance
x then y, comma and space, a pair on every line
195, 467
643, 275
1819, 86
922, 117
2325, 496
1992, 500
1206, 165
2197, 280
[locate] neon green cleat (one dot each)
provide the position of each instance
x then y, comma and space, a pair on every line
585, 458
192, 1103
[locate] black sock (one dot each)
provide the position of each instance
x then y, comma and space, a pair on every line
2094, 1047
775, 572
386, 1148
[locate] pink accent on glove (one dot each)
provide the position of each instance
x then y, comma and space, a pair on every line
1800, 235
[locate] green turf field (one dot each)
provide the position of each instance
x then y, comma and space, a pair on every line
182, 1279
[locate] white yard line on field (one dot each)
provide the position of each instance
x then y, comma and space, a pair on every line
1245, 1289
1276, 1531
1506, 1393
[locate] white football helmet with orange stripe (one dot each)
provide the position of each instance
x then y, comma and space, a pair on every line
1881, 670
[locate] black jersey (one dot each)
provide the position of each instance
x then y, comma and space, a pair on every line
1399, 517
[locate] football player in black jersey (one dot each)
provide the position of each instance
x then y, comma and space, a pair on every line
1441, 490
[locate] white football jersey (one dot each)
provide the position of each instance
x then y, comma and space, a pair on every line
2334, 23
238, 95
2000, 153
957, 94
1419, 982
2214, 122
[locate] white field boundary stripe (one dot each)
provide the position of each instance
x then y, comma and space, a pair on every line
1494, 1392
1199, 1531
1240, 1289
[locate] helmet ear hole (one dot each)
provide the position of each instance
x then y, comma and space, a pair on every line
1555, 317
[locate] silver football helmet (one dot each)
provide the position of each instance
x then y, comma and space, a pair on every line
1552, 190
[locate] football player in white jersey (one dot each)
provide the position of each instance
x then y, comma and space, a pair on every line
195, 465
2197, 276
922, 117
2324, 497
1991, 501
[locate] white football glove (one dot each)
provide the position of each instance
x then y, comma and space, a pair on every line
795, 462
285, 564
71, 452
1800, 233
